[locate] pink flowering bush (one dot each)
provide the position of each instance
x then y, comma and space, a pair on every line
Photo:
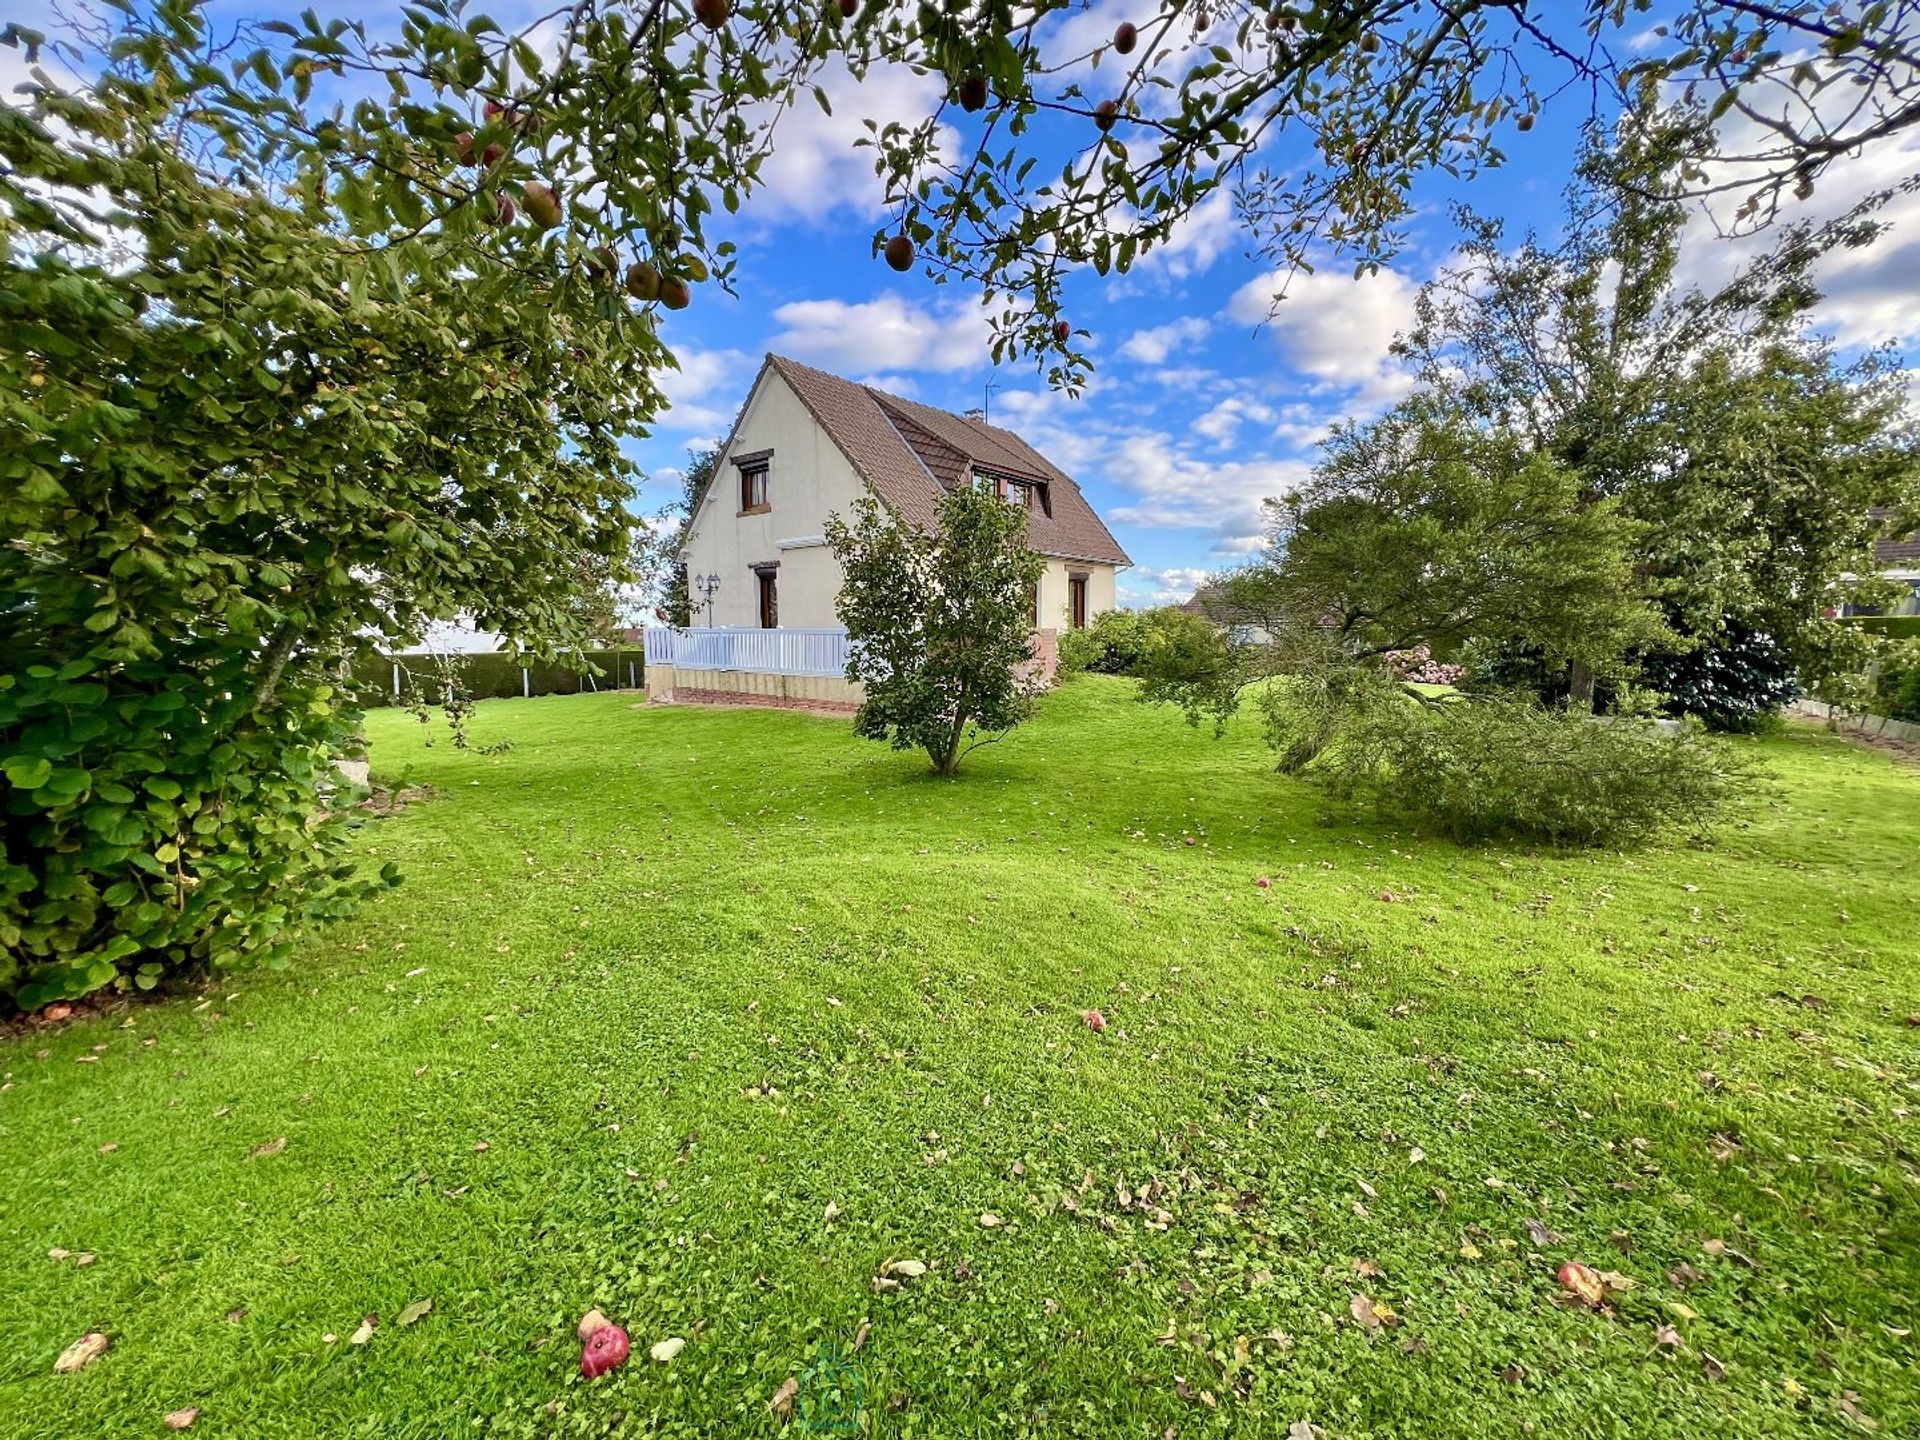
1418, 667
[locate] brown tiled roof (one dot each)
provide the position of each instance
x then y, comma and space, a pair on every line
909, 452
1210, 603
1895, 552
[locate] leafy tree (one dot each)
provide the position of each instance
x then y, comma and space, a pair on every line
1751, 456
677, 598
242, 446
940, 624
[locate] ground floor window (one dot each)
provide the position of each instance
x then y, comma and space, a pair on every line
1077, 601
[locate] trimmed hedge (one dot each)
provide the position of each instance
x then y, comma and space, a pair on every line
1902, 627
497, 676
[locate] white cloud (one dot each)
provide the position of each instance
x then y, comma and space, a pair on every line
1222, 423
1153, 345
706, 391
888, 333
1198, 239
1332, 327
1869, 294
815, 169
1149, 586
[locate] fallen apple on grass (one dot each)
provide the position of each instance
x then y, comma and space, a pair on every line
1096, 1022
605, 1349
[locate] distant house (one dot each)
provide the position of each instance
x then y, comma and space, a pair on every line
1897, 558
1210, 602
808, 445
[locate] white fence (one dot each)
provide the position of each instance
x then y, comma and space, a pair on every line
767, 652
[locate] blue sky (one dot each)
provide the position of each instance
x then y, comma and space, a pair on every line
1199, 406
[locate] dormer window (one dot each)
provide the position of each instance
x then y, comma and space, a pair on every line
1024, 493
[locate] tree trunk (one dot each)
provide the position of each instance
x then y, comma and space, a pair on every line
944, 764
1580, 687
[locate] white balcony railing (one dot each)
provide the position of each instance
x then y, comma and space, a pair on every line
769, 652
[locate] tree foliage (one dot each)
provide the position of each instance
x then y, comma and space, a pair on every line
940, 624
241, 446
1749, 454
676, 600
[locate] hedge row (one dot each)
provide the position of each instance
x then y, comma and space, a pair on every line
1904, 627
491, 677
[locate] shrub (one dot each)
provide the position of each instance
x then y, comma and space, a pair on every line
1735, 680
1418, 667
1899, 627
1502, 768
1116, 643
1896, 683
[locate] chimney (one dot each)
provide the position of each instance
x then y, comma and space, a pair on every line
977, 415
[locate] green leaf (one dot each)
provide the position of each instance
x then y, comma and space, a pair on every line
29, 772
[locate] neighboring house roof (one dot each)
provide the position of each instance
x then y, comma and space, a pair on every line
1210, 604
1895, 552
910, 452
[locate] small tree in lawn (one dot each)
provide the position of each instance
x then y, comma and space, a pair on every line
940, 624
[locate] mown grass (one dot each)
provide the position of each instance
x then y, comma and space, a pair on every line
691, 975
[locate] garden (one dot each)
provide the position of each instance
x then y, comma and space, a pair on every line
1119, 1086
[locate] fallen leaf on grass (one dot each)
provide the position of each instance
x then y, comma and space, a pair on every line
414, 1312
1366, 1268
365, 1332
665, 1350
896, 1273
1849, 1406
1544, 1235
1712, 1368
782, 1402
1302, 1430
1370, 1313
990, 1221
181, 1419
272, 1147
1577, 1280
860, 1337
1718, 1248
1667, 1337
1684, 1277
81, 1353
831, 1213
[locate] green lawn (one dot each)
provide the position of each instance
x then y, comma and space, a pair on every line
663, 984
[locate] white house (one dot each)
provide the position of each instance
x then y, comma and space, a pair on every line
807, 445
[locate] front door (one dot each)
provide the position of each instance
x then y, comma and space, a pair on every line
769, 600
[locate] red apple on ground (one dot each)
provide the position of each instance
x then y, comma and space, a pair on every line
606, 1349
1264, 883
1096, 1022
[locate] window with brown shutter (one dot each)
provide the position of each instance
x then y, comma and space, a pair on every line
1077, 600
